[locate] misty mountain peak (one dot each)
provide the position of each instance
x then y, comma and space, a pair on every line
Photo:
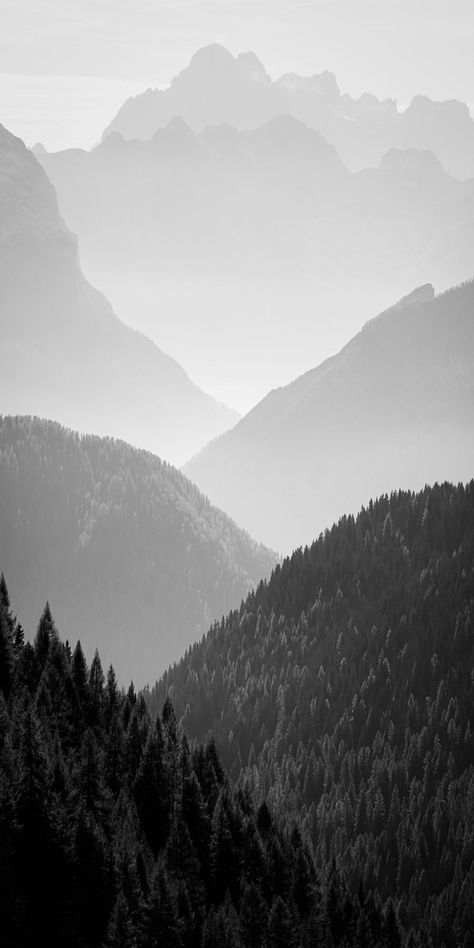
323, 84
287, 135
251, 67
177, 128
211, 59
28, 205
411, 162
5, 135
112, 141
217, 88
421, 294
176, 139
63, 349
422, 107
397, 401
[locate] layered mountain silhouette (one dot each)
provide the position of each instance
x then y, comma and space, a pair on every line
259, 240
131, 557
63, 352
393, 409
217, 88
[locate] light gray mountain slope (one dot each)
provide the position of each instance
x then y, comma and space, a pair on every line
247, 254
393, 409
132, 558
217, 88
63, 352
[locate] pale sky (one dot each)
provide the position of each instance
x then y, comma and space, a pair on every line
110, 49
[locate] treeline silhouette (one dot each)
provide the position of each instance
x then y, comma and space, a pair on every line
117, 831
343, 692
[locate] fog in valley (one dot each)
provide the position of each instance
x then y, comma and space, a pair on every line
236, 474
219, 218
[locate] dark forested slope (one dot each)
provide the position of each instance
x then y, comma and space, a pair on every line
63, 352
117, 832
393, 409
344, 690
133, 559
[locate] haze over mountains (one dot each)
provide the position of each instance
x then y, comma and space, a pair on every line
258, 247
132, 558
218, 88
63, 352
249, 228
393, 409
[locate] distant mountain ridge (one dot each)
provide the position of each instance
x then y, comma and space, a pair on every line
279, 243
133, 559
393, 409
217, 88
63, 352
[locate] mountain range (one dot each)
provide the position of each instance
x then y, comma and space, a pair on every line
261, 241
393, 409
63, 352
132, 558
218, 88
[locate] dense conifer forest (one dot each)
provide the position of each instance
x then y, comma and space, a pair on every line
117, 831
343, 691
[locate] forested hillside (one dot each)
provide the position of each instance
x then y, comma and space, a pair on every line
117, 832
343, 690
132, 557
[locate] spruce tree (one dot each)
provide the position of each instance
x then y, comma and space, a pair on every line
46, 630
6, 656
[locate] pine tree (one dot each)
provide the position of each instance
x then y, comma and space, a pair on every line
96, 691
221, 927
183, 865
79, 673
114, 755
5, 608
160, 924
111, 696
42, 861
94, 884
120, 932
281, 928
150, 790
89, 784
253, 918
45, 632
19, 640
224, 855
